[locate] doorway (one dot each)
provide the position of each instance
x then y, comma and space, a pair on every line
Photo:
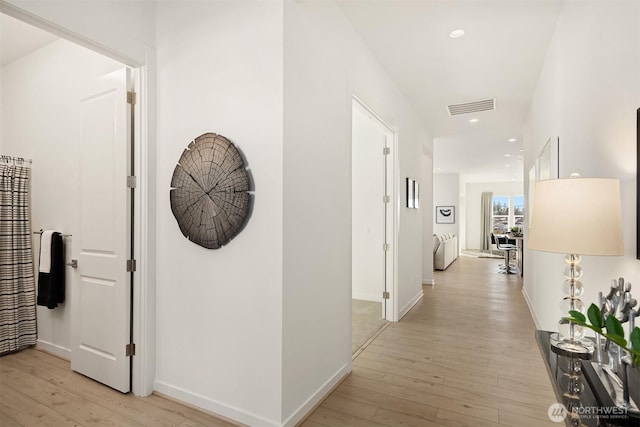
45, 110
373, 231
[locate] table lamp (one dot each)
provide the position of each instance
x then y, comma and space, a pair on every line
576, 216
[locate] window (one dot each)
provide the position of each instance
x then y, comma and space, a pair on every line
508, 212
500, 214
518, 211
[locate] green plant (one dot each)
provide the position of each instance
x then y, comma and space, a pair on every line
613, 328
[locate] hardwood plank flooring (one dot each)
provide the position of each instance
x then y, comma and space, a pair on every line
366, 321
37, 389
463, 356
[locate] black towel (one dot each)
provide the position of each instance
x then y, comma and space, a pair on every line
51, 285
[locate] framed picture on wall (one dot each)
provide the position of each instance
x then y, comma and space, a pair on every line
445, 214
410, 193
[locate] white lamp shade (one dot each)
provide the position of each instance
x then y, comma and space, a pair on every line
580, 216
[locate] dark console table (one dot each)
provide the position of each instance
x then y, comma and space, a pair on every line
583, 389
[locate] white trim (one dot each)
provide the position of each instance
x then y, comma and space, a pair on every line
143, 369
56, 350
417, 297
395, 226
431, 282
317, 397
65, 33
533, 313
218, 408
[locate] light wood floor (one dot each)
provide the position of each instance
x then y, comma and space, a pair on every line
464, 356
366, 320
37, 389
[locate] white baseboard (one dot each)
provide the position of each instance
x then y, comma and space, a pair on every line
431, 282
404, 310
246, 418
61, 352
364, 296
312, 402
214, 406
533, 313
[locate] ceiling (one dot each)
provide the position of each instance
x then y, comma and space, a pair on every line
500, 56
18, 39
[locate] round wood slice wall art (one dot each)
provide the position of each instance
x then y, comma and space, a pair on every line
210, 191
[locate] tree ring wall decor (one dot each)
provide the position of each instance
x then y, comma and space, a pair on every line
210, 191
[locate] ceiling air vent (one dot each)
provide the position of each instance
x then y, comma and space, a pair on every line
472, 107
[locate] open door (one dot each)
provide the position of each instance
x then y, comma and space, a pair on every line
101, 297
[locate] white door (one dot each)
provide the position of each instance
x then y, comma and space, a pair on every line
389, 227
101, 296
367, 208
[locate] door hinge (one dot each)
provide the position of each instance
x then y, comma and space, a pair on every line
386, 150
130, 350
385, 295
131, 265
132, 181
386, 199
131, 98
386, 247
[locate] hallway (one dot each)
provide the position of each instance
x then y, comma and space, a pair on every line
464, 356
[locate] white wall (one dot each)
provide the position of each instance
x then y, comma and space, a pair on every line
325, 63
219, 342
587, 95
427, 208
367, 221
472, 206
40, 120
1, 110
117, 27
446, 192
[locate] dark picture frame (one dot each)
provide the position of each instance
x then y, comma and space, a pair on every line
445, 214
413, 193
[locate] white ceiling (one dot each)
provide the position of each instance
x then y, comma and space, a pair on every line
18, 39
500, 57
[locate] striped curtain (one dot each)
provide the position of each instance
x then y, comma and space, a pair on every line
17, 283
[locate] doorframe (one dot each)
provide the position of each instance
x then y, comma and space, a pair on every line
144, 292
391, 270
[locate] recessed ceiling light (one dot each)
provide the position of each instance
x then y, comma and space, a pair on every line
522, 151
456, 33
474, 120
507, 155
512, 140
507, 166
